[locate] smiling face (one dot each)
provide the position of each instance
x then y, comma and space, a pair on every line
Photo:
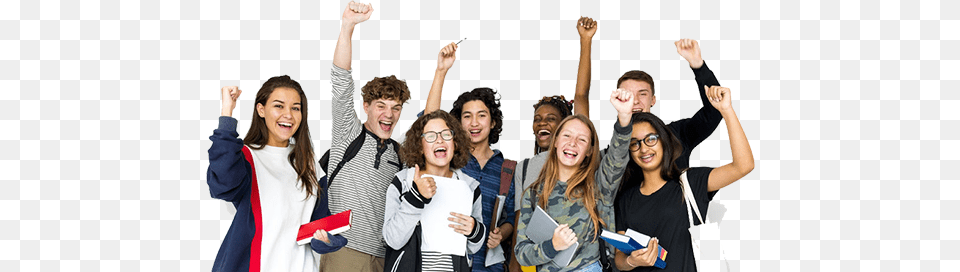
573, 143
649, 158
441, 151
475, 119
281, 115
545, 119
643, 94
382, 116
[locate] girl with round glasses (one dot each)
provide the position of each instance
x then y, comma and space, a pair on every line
434, 145
651, 198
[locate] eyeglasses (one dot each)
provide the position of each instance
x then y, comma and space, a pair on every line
651, 140
431, 136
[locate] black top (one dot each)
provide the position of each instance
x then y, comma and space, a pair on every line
663, 214
692, 131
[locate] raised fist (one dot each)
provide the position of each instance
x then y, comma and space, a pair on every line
719, 97
690, 51
228, 99
587, 27
356, 13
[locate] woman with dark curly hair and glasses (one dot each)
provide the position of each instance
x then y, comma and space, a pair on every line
435, 146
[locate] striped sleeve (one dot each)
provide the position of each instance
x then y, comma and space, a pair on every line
346, 124
476, 238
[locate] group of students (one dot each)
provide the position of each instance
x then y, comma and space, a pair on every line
271, 175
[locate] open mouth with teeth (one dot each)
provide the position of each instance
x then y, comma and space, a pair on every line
647, 158
475, 132
543, 135
440, 152
285, 125
570, 154
386, 125
637, 110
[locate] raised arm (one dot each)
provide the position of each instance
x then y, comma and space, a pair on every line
742, 155
354, 14
346, 124
694, 130
586, 27
614, 161
444, 61
228, 175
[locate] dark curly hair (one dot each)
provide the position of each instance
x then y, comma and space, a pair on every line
388, 87
411, 152
488, 97
564, 106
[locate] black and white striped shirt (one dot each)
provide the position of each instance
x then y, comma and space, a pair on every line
361, 184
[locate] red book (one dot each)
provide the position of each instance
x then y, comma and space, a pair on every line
334, 224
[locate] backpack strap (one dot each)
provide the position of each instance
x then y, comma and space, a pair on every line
396, 149
348, 155
506, 175
525, 163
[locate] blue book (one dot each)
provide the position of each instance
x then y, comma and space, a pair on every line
633, 241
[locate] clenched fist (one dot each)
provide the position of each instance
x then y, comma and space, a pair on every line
228, 100
356, 13
690, 51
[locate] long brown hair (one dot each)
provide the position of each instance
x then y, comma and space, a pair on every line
302, 156
582, 185
411, 152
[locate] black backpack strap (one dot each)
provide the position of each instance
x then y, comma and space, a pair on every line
348, 155
396, 149
526, 162
325, 161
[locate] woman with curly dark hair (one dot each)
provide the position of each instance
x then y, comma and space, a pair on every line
435, 146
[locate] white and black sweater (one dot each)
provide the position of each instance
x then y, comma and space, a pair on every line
403, 210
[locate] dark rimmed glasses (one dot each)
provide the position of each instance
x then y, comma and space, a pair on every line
650, 140
431, 136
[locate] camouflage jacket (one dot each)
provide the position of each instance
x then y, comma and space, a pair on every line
573, 213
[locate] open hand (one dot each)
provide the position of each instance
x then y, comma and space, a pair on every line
464, 223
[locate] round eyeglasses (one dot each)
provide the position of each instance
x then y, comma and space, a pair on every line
651, 140
431, 136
